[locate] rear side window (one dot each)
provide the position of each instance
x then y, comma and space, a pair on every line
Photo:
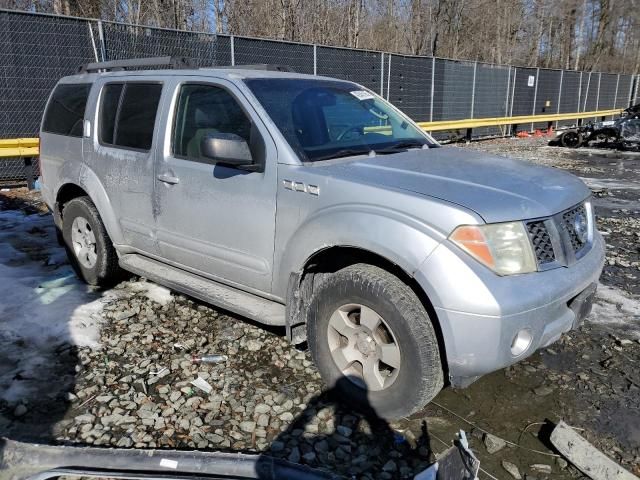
128, 114
65, 111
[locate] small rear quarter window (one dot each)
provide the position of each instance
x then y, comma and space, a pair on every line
65, 111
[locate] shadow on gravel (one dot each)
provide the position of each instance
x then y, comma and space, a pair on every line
356, 426
38, 356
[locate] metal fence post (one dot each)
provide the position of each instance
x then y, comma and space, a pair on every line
433, 77
388, 77
473, 88
586, 94
382, 74
315, 59
93, 41
615, 97
28, 173
535, 95
233, 50
579, 91
103, 47
506, 128
598, 92
559, 95
513, 96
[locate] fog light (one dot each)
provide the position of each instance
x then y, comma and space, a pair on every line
521, 342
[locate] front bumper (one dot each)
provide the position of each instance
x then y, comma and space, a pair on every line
480, 313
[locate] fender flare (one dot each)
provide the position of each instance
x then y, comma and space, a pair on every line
395, 236
86, 179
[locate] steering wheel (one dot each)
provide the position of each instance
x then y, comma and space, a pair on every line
356, 128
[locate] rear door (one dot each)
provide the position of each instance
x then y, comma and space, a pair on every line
216, 220
122, 154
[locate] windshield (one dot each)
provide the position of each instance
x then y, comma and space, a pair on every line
323, 119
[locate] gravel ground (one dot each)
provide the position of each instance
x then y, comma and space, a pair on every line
132, 386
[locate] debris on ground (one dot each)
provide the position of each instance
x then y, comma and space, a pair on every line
585, 456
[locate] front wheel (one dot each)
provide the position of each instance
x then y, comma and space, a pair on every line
372, 339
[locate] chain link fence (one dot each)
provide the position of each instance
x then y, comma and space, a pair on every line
37, 49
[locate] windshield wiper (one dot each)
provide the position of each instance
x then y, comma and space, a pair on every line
401, 146
347, 152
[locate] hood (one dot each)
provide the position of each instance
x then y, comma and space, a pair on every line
499, 189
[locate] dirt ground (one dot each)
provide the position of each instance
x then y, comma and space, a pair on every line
113, 367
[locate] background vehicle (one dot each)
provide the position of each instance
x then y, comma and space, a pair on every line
313, 204
623, 132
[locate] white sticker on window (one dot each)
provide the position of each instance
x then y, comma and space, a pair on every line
531, 81
362, 95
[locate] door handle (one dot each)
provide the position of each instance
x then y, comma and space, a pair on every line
170, 179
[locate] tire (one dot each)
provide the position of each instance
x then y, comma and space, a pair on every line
104, 270
571, 140
405, 321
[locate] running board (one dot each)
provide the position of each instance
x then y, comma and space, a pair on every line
236, 301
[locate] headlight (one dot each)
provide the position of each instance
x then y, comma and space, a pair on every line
503, 247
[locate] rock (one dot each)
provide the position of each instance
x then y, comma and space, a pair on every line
543, 391
321, 447
390, 466
344, 431
262, 408
248, 427
124, 442
309, 457
541, 468
277, 446
253, 345
511, 469
562, 463
286, 417
294, 456
85, 418
263, 420
20, 410
493, 444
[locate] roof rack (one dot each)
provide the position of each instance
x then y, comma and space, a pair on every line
116, 65
264, 66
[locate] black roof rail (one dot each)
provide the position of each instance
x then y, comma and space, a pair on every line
264, 66
116, 65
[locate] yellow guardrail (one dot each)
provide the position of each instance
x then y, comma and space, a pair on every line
19, 147
30, 147
518, 120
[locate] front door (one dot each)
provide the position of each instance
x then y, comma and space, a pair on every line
216, 220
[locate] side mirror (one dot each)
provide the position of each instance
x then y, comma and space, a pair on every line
227, 149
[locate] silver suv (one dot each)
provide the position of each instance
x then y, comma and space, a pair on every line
312, 203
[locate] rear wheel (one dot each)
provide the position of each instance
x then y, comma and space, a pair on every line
571, 140
372, 339
88, 245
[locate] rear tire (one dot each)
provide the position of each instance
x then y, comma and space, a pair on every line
87, 243
571, 139
361, 295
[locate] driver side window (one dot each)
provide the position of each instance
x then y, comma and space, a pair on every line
204, 110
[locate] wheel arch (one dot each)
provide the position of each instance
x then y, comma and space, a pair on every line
92, 188
330, 259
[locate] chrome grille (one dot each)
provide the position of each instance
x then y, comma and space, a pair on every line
541, 241
568, 224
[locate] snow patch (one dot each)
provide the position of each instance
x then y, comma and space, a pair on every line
153, 292
613, 307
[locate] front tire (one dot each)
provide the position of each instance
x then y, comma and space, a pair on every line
373, 341
87, 243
